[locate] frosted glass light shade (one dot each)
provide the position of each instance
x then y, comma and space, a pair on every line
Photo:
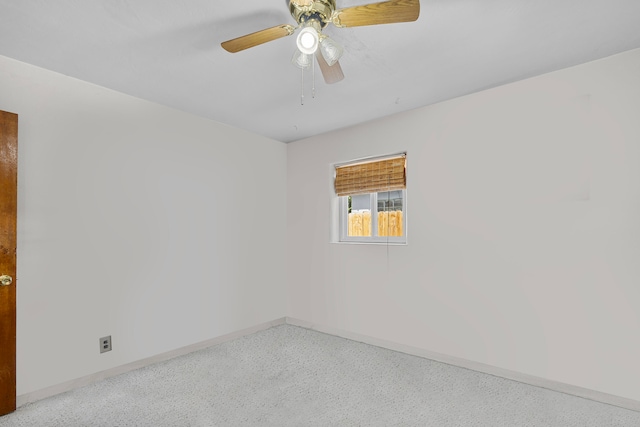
301, 60
331, 51
307, 40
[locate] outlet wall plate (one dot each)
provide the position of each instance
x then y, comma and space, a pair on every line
105, 344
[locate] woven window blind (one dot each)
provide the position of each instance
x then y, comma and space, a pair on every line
371, 176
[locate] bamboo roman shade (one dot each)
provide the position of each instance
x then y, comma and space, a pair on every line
371, 176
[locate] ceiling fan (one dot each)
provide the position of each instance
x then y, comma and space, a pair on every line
313, 16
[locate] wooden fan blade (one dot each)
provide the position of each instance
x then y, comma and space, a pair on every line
331, 73
259, 37
386, 12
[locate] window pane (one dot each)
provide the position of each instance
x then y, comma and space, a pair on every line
390, 213
359, 215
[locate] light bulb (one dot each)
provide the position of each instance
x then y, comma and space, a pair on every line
307, 40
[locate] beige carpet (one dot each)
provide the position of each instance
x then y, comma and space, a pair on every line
290, 376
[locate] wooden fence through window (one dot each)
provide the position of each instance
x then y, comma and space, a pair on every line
389, 223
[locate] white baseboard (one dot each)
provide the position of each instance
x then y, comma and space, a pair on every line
585, 393
99, 376
439, 357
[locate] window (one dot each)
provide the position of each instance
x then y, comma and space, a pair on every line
372, 200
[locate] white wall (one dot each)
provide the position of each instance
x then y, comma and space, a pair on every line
136, 221
523, 252
524, 229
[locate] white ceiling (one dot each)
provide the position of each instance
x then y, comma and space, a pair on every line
168, 51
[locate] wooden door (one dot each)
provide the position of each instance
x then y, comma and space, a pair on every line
8, 214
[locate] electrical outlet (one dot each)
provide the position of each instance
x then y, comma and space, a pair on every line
105, 344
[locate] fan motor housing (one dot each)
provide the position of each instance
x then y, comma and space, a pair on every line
320, 10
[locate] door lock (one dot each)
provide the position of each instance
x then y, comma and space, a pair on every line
5, 280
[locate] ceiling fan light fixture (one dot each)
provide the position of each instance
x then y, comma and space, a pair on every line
301, 60
308, 40
331, 51
312, 17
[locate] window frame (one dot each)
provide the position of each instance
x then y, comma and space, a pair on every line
343, 222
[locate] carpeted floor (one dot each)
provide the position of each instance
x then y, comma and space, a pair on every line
290, 376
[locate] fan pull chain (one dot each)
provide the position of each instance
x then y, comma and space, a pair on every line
301, 86
313, 76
